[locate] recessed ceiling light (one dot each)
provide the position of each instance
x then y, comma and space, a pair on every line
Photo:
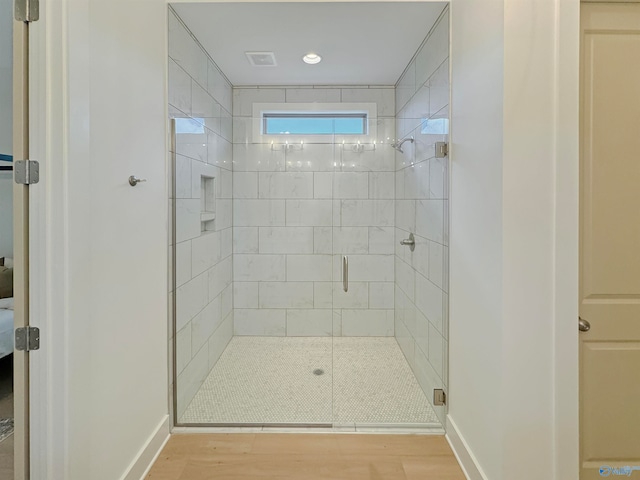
311, 58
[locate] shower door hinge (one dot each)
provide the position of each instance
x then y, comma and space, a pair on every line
442, 149
27, 339
27, 10
439, 397
26, 172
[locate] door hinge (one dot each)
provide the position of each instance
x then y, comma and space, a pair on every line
27, 339
439, 397
442, 149
26, 172
27, 10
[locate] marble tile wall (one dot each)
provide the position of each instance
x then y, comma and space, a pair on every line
297, 211
200, 100
421, 208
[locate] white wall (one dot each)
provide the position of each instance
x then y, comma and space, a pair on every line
475, 322
422, 205
6, 128
508, 314
99, 265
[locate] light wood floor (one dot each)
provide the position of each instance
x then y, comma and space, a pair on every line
306, 457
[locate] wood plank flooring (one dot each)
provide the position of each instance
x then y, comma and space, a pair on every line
284, 456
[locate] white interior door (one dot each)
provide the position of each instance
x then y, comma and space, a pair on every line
610, 240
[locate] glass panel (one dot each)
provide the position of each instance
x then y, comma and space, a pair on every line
258, 350
421, 273
370, 372
295, 302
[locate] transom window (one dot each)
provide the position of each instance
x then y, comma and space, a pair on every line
314, 123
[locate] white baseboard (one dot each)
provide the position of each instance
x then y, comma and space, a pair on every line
141, 465
461, 450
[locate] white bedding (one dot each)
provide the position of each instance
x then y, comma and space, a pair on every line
6, 332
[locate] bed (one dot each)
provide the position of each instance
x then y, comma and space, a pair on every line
6, 326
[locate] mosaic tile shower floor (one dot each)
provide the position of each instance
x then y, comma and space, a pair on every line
366, 380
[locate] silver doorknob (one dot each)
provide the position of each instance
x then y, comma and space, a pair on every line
583, 325
133, 181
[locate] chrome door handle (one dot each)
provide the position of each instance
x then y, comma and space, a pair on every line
345, 273
583, 325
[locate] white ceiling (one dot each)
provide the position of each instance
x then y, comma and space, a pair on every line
361, 43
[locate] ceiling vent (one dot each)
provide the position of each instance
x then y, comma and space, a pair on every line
261, 59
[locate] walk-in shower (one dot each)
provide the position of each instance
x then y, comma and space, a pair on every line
298, 297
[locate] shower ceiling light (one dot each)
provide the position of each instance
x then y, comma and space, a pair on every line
311, 58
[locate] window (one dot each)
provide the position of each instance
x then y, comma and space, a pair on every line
277, 123
189, 125
314, 123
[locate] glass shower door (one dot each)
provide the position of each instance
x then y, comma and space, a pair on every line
304, 186
363, 245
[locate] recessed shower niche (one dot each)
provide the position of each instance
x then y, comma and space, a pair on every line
287, 256
207, 203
